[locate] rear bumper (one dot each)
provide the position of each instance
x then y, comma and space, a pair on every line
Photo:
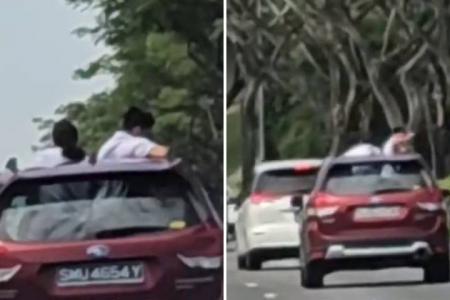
273, 237
205, 287
419, 249
373, 263
339, 257
416, 254
382, 244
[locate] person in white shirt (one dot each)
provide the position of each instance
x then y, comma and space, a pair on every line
130, 142
65, 149
400, 142
363, 149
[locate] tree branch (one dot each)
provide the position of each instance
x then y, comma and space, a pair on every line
387, 32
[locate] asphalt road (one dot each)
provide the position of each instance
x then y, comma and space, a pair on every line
281, 280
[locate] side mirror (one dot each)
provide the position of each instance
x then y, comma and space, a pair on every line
297, 202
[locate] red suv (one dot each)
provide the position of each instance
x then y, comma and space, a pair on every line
141, 231
373, 213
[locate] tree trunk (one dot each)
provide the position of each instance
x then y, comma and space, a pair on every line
429, 128
249, 136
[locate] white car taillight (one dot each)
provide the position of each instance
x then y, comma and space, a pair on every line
6, 274
201, 262
322, 212
431, 206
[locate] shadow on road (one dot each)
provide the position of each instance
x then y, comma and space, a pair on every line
372, 284
288, 268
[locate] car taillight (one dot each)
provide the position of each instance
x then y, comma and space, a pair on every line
322, 212
257, 198
304, 167
6, 274
202, 262
431, 206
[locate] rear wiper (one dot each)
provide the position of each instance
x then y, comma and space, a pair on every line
126, 232
391, 190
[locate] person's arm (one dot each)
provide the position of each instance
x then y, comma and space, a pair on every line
388, 147
145, 148
158, 151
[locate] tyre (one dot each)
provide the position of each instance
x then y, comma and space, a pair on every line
311, 276
231, 235
241, 262
437, 270
253, 262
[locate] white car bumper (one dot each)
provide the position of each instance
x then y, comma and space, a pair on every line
273, 236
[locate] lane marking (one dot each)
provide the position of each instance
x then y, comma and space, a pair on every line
251, 285
270, 296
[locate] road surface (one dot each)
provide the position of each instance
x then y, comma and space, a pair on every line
281, 280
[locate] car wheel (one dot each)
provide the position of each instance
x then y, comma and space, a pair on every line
241, 262
312, 276
231, 234
437, 270
253, 262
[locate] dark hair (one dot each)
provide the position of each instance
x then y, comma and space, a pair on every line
93, 158
136, 117
398, 129
65, 135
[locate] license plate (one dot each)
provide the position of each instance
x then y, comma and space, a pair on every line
100, 274
374, 213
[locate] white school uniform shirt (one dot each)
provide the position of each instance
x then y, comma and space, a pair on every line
362, 150
388, 147
124, 146
51, 158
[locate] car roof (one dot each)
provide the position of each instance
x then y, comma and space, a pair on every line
285, 164
331, 161
5, 177
99, 168
375, 158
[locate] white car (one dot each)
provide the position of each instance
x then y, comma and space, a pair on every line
232, 203
267, 226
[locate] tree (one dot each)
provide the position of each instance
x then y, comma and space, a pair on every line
333, 68
166, 57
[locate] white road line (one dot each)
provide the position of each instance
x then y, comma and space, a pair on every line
251, 285
270, 296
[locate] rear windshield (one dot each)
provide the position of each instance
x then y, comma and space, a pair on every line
116, 205
286, 181
376, 178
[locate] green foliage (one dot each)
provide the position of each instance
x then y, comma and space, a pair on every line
166, 57
300, 134
445, 183
334, 72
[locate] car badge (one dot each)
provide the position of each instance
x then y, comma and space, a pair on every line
98, 251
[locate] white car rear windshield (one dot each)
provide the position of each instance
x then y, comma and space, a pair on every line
376, 178
286, 181
96, 207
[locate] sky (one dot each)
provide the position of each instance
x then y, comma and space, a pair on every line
38, 56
